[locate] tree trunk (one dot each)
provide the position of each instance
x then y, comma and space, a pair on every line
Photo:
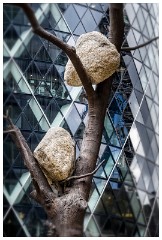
69, 209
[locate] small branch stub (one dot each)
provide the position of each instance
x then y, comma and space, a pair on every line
84, 175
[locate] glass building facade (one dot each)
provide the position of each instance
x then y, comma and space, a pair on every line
124, 200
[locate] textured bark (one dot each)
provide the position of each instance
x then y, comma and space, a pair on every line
66, 211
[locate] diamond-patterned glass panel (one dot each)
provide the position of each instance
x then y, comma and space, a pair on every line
123, 193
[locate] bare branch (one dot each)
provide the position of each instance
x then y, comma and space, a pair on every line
69, 50
84, 175
126, 49
29, 160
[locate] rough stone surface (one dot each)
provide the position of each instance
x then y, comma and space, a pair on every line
55, 154
98, 55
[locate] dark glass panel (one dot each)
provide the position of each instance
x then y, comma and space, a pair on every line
10, 152
20, 29
130, 229
5, 205
43, 55
10, 37
61, 59
13, 107
30, 116
33, 141
11, 225
35, 215
11, 11
48, 22
33, 46
10, 181
6, 21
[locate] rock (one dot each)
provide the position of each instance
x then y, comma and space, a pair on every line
55, 154
98, 55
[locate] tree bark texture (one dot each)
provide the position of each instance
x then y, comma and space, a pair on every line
66, 212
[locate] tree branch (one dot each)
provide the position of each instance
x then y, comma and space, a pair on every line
84, 175
29, 160
70, 51
126, 49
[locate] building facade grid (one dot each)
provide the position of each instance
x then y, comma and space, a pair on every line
124, 195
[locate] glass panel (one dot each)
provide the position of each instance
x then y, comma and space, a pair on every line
131, 39
109, 166
62, 26
94, 196
150, 27
141, 19
34, 216
95, 6
97, 16
100, 183
92, 229
79, 29
141, 230
71, 17
136, 171
155, 179
73, 119
142, 196
146, 114
108, 126
130, 12
88, 22
11, 37
141, 184
134, 76
63, 6
138, 65
134, 135
133, 104
143, 78
135, 204
11, 225
115, 152
154, 116
80, 10
130, 229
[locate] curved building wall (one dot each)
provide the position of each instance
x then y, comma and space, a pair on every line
124, 196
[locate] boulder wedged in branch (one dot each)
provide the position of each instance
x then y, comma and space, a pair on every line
98, 55
55, 154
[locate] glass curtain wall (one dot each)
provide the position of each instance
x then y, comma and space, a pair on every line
124, 196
